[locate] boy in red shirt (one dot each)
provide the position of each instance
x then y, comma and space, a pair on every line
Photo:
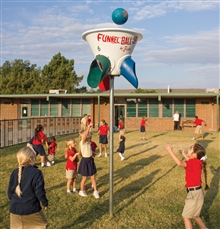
198, 122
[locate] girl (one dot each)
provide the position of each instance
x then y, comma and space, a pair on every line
87, 166
143, 128
26, 191
51, 145
103, 137
121, 148
71, 165
37, 143
120, 125
194, 164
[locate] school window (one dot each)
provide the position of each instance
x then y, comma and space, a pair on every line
54, 107
76, 108
35, 107
167, 108
66, 107
153, 108
86, 106
44, 108
131, 107
179, 106
142, 107
190, 108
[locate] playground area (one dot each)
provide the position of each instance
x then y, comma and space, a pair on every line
148, 187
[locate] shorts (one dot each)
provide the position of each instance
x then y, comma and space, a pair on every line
33, 221
142, 129
71, 174
39, 149
51, 157
198, 130
193, 204
103, 139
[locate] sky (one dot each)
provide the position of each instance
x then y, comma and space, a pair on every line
180, 45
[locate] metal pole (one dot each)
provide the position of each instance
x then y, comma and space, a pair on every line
111, 146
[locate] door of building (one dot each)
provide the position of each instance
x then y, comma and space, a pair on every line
119, 113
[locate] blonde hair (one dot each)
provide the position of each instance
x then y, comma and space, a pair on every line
69, 142
23, 157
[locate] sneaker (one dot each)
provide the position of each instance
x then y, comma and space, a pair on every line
100, 154
106, 155
96, 194
75, 191
42, 165
122, 159
192, 138
82, 193
48, 163
69, 193
52, 162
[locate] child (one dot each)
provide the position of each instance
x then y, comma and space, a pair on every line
103, 137
26, 191
198, 122
51, 145
121, 148
120, 125
93, 146
142, 128
87, 166
71, 165
37, 143
194, 164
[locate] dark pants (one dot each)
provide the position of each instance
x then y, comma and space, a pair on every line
176, 125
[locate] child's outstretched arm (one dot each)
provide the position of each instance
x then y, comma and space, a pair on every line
175, 158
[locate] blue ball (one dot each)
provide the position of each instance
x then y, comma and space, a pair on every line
119, 16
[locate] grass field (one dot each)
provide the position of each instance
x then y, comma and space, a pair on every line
148, 187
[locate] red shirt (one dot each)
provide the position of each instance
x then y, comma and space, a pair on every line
103, 130
41, 136
52, 148
143, 122
71, 165
198, 122
193, 173
89, 121
121, 125
93, 146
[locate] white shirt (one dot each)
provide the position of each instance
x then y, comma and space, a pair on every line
176, 117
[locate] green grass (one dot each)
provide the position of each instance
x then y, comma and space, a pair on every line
148, 187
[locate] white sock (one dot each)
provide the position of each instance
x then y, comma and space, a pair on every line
68, 190
42, 164
74, 189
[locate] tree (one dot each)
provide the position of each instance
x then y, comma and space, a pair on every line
60, 74
22, 77
139, 90
16, 76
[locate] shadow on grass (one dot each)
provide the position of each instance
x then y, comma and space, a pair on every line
126, 192
132, 190
211, 195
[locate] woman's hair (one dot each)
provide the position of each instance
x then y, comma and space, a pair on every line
23, 157
38, 129
201, 152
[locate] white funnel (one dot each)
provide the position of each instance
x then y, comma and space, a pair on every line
114, 43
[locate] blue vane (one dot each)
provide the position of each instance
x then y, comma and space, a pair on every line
128, 71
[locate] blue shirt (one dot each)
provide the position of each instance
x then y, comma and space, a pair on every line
33, 192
